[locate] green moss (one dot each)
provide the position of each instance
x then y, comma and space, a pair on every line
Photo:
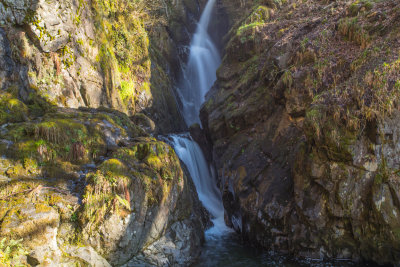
113, 168
67, 56
70, 136
259, 14
246, 27
360, 5
40, 207
15, 171
258, 17
127, 91
12, 109
154, 162
107, 191
126, 154
12, 252
32, 18
124, 49
38, 105
146, 87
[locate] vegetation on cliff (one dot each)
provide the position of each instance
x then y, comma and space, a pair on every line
81, 180
81, 173
119, 54
303, 123
303, 120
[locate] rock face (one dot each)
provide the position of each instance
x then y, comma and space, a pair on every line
83, 85
90, 187
121, 55
303, 119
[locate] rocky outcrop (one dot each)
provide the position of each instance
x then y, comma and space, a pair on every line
121, 55
90, 187
83, 86
302, 120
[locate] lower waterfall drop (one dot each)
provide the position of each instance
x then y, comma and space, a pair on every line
210, 196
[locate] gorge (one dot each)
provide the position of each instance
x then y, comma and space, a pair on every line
199, 133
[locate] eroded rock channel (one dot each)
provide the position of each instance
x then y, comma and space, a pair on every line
199, 133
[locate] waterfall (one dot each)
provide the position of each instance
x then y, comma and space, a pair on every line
200, 71
198, 77
191, 155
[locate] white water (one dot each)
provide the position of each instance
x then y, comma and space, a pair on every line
191, 154
199, 76
200, 71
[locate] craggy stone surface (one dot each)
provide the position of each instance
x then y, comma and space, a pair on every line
83, 84
303, 120
90, 187
91, 53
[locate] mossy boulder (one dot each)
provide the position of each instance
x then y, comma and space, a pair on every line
141, 182
75, 136
12, 109
92, 179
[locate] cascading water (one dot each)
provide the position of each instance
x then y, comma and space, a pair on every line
198, 77
221, 248
200, 71
190, 153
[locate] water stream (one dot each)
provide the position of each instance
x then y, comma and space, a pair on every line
191, 154
223, 247
200, 71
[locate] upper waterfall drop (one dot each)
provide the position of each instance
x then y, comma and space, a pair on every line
200, 72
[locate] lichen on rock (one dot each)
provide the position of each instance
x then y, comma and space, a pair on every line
302, 122
90, 187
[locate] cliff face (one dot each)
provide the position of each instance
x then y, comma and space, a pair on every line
81, 180
303, 119
90, 187
303, 122
116, 54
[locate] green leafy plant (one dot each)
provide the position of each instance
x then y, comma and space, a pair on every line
74, 217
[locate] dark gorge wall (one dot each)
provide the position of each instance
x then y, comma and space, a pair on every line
303, 124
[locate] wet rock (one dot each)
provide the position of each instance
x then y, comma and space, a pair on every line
52, 24
295, 174
14, 12
176, 247
198, 135
155, 218
55, 50
7, 64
